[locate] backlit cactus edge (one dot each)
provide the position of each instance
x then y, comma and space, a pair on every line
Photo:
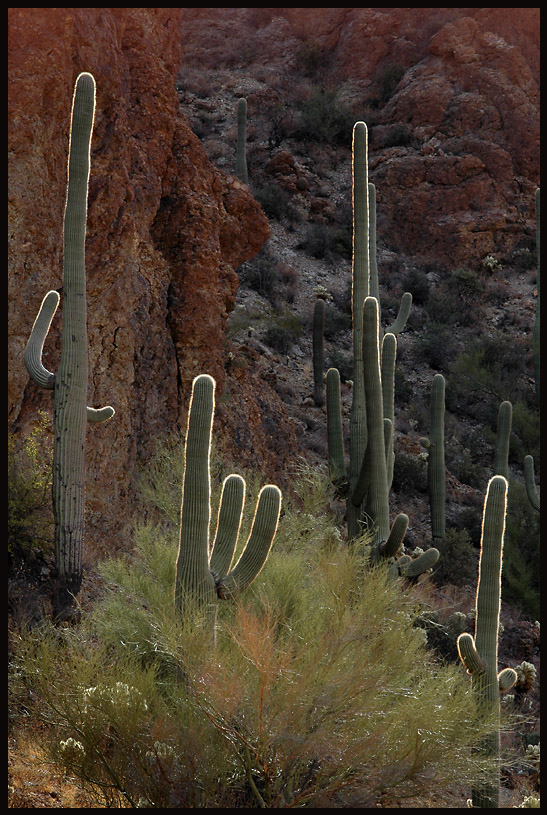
69, 384
479, 654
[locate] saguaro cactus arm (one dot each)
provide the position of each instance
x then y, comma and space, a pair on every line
35, 344
531, 489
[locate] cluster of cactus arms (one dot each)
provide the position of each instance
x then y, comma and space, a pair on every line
436, 474
241, 147
479, 654
69, 384
204, 569
366, 482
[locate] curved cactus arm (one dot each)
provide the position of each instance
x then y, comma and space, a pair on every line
469, 655
258, 546
531, 489
193, 576
35, 344
506, 679
401, 319
97, 415
394, 543
228, 524
420, 564
503, 436
335, 438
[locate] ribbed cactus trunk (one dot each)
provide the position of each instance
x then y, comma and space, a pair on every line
480, 653
503, 438
69, 384
436, 472
70, 399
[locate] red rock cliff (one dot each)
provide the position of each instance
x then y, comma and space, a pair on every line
165, 232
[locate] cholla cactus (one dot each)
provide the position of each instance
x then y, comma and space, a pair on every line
526, 677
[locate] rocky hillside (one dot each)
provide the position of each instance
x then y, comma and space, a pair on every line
451, 102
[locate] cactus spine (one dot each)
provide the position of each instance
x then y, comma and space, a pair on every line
436, 474
479, 654
241, 147
204, 570
70, 383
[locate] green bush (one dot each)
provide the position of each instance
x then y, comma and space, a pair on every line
409, 474
282, 332
458, 561
325, 118
30, 515
318, 687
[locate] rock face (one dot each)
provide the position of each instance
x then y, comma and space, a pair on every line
451, 98
165, 232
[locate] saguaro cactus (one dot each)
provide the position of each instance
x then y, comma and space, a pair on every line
204, 568
318, 352
241, 147
479, 654
503, 437
436, 475
71, 413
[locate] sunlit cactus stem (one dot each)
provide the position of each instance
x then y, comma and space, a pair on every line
69, 384
479, 654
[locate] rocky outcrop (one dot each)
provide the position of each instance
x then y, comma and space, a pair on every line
450, 95
165, 233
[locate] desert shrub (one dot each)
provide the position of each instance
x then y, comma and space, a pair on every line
274, 200
458, 561
30, 517
327, 241
417, 283
282, 332
343, 361
436, 344
388, 80
409, 474
318, 684
521, 575
262, 274
326, 118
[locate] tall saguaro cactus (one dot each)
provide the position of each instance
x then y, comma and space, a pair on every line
71, 413
204, 567
436, 475
241, 147
479, 654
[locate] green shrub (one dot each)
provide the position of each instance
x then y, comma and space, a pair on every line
30, 515
282, 332
521, 573
325, 118
409, 474
458, 561
274, 200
